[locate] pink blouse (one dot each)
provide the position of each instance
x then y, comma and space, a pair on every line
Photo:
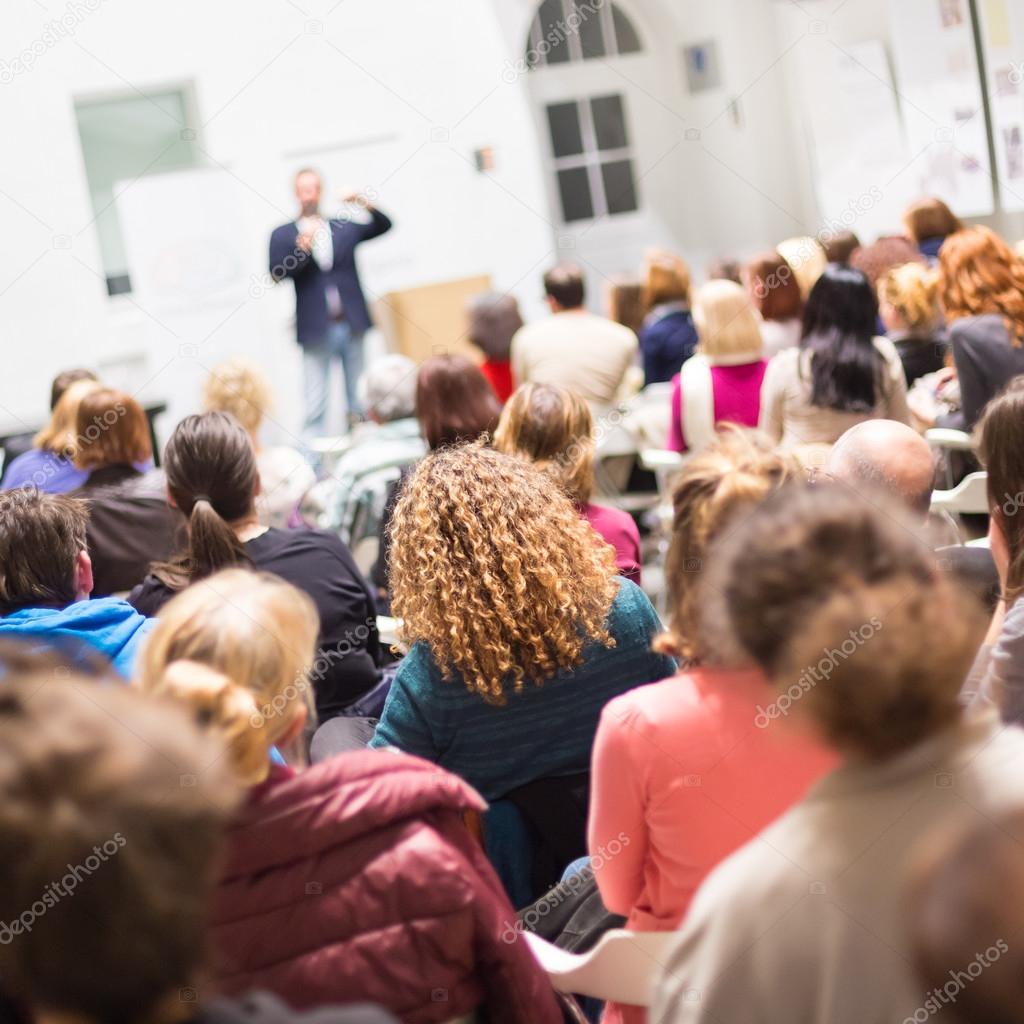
736, 399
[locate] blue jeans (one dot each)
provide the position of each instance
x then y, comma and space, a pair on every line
341, 343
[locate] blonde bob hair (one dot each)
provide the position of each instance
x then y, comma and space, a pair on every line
806, 259
60, 435
494, 570
553, 428
239, 387
237, 649
728, 325
912, 290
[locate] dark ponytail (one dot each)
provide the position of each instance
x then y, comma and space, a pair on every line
211, 474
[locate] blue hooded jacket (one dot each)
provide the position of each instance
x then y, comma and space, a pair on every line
107, 624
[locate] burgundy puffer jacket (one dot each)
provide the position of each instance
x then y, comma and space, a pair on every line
358, 881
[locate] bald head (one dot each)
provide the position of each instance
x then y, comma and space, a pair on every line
887, 455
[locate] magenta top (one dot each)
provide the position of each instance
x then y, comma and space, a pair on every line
736, 399
619, 530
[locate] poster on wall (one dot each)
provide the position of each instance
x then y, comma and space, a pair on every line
939, 91
1002, 40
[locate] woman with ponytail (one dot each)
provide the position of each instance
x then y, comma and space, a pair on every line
687, 768
213, 479
354, 880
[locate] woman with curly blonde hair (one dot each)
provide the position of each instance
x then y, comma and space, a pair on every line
520, 629
909, 307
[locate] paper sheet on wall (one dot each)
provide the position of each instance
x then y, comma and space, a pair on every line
1002, 34
939, 91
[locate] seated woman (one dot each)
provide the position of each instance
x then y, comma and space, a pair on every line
130, 522
493, 319
981, 289
554, 428
841, 374
355, 879
848, 613
519, 628
929, 222
668, 337
240, 388
212, 478
49, 466
707, 722
775, 292
909, 308
722, 382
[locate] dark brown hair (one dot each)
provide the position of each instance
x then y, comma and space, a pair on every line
564, 284
112, 430
108, 857
881, 256
930, 218
211, 474
64, 380
840, 246
774, 287
839, 601
41, 536
454, 401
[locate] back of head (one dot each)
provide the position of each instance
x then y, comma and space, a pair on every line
493, 319
495, 571
666, 278
889, 456
112, 430
565, 284
552, 427
773, 287
840, 246
727, 323
41, 536
236, 649
239, 387
839, 325
454, 401
911, 289
806, 258
725, 269
964, 903
930, 218
387, 388
838, 596
60, 436
112, 811
1001, 449
980, 274
727, 478
64, 380
888, 252
627, 304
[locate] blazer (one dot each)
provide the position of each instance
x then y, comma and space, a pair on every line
288, 260
986, 361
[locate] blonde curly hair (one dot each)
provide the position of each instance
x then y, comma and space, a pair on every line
494, 570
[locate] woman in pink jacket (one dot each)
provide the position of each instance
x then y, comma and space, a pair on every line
353, 880
690, 768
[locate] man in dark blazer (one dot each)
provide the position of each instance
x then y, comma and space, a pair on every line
330, 310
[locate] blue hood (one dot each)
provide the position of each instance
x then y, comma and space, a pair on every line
108, 625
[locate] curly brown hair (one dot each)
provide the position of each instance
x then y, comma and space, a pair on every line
494, 570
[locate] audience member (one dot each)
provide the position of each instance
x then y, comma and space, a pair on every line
212, 478
519, 628
624, 298
841, 374
240, 388
883, 255
981, 288
65, 379
706, 723
725, 269
908, 306
494, 319
573, 348
775, 292
130, 522
840, 246
867, 643
722, 382
928, 223
49, 465
353, 879
806, 258
553, 428
667, 337
46, 578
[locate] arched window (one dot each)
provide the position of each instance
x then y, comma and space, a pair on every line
570, 30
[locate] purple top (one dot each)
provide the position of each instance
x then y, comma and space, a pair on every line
736, 399
619, 530
48, 472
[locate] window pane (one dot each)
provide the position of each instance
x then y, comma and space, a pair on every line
553, 32
626, 38
123, 139
619, 187
574, 188
533, 58
609, 122
564, 125
591, 36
